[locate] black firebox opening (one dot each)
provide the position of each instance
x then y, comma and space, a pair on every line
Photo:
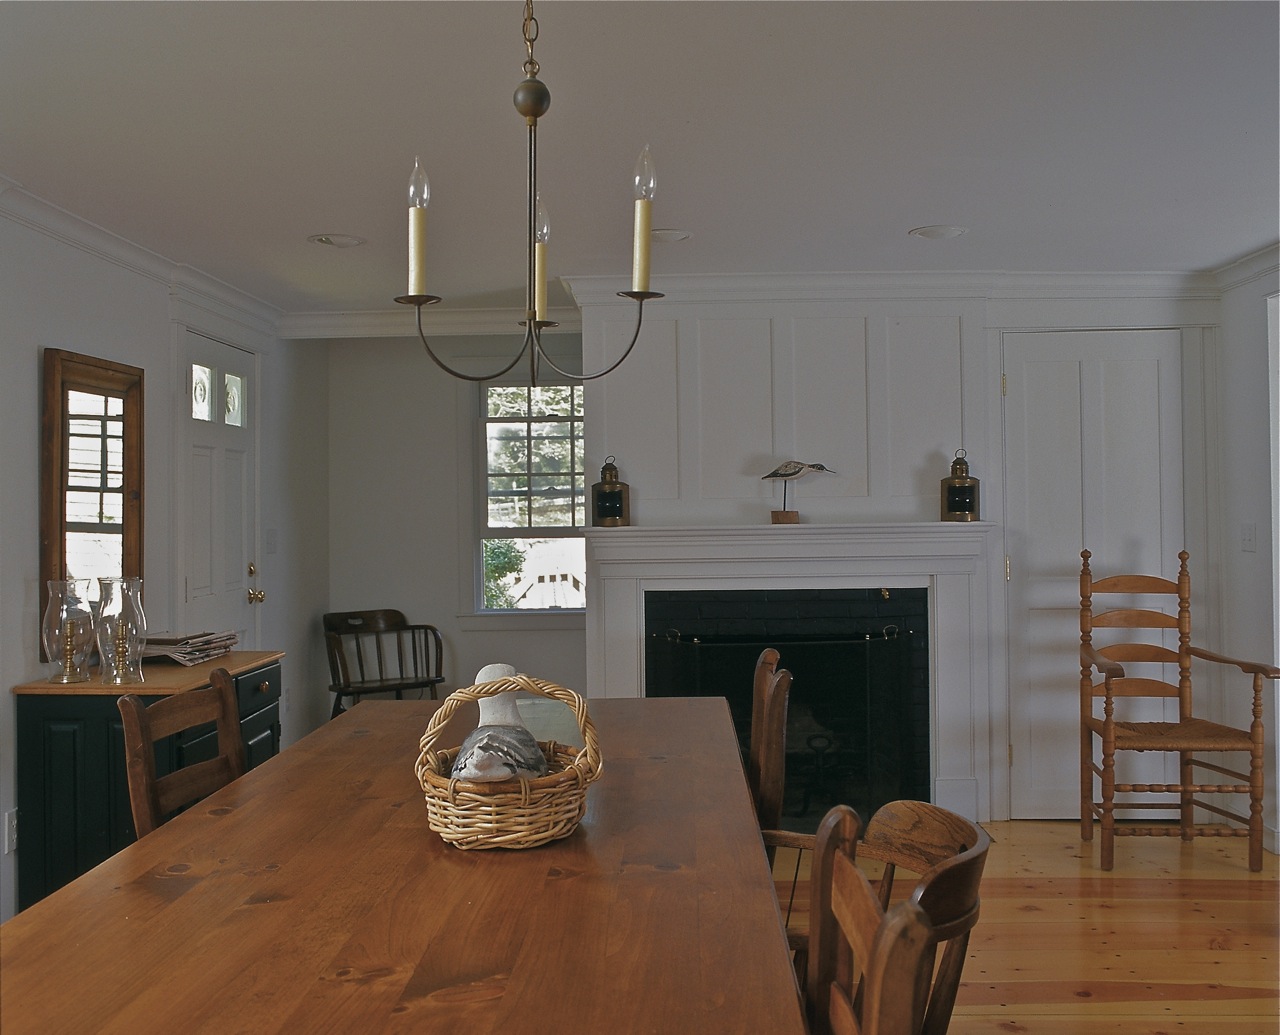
858, 721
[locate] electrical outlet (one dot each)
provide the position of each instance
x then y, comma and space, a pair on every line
1248, 537
10, 831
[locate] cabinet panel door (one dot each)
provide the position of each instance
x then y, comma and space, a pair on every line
73, 796
261, 735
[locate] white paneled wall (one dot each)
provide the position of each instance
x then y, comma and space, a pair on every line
826, 363
719, 392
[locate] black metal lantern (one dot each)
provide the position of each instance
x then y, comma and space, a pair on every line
610, 498
960, 492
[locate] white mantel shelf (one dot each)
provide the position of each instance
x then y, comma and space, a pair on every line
747, 543
948, 558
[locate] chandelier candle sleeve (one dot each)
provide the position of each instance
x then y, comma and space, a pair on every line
542, 238
419, 195
646, 184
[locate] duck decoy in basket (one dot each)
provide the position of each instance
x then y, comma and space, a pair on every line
502, 746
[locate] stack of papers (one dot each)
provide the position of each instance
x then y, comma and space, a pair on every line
189, 649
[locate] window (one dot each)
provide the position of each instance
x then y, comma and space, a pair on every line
532, 556
90, 470
95, 485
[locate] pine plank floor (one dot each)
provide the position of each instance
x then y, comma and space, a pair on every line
1178, 938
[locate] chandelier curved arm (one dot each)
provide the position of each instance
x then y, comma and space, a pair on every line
458, 373
640, 297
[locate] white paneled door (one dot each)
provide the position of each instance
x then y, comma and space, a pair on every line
1093, 454
220, 531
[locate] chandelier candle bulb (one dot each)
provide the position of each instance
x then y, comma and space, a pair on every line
646, 184
419, 195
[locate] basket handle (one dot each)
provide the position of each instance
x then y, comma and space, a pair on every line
588, 759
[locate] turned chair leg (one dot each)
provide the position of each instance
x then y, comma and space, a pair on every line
1108, 811
1086, 784
1185, 813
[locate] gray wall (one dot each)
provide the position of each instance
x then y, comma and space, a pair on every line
69, 286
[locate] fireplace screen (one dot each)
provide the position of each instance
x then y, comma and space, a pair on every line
858, 719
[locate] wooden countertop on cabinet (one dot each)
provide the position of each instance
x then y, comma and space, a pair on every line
161, 676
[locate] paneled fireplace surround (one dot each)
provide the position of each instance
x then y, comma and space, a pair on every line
948, 559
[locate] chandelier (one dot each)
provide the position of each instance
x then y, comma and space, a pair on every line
532, 99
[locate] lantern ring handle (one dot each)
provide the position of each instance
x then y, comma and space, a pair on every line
961, 454
610, 459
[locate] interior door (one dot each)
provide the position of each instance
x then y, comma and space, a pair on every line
1093, 455
221, 475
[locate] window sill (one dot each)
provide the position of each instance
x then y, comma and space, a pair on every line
523, 621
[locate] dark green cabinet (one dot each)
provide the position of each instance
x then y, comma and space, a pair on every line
73, 796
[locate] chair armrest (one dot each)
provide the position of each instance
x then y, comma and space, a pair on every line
1090, 658
1253, 668
788, 839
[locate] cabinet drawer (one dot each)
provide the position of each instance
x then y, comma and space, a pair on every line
257, 689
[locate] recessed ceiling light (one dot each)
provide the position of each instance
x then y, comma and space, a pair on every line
337, 240
669, 235
937, 233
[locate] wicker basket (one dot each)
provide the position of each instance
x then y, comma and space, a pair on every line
514, 813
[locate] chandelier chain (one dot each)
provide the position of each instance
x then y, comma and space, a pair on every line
530, 37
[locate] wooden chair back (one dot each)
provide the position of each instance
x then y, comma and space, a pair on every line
1147, 609
766, 776
1135, 642
868, 967
379, 651
153, 799
945, 854
767, 754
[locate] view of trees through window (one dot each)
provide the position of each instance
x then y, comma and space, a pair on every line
535, 498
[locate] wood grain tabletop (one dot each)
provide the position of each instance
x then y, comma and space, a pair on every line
311, 895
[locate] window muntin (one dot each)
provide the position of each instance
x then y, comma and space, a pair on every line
532, 557
93, 499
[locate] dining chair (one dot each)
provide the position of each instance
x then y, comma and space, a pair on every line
767, 751
153, 799
868, 970
375, 652
766, 776
1131, 647
946, 855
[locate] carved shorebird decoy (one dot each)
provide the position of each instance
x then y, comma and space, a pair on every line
790, 470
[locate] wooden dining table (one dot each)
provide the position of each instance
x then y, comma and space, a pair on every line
310, 895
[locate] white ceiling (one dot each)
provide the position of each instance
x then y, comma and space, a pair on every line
789, 137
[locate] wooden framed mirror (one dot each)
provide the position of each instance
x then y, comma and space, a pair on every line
90, 470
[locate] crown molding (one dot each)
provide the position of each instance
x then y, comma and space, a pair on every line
33, 212
933, 284
1264, 263
25, 208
